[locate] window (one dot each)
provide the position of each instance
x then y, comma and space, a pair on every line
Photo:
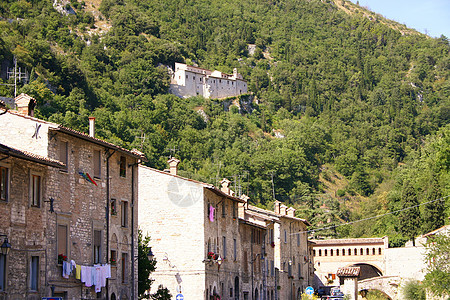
326, 252
349, 252
123, 166
337, 252
235, 249
223, 210
113, 257
35, 190
373, 251
355, 251
320, 252
272, 268
113, 207
224, 241
234, 210
34, 273
298, 239
361, 251
245, 262
331, 252
124, 267
285, 236
271, 236
343, 252
97, 164
314, 252
2, 272
367, 251
62, 240
97, 246
124, 214
64, 154
379, 251
4, 183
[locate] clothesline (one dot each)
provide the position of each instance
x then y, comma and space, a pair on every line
90, 275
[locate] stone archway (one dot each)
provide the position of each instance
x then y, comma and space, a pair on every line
367, 271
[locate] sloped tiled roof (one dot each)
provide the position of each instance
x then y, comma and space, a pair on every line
349, 241
30, 156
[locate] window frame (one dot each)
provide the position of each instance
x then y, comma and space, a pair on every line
4, 182
122, 167
3, 272
32, 192
97, 246
34, 273
97, 165
124, 260
58, 250
124, 213
64, 154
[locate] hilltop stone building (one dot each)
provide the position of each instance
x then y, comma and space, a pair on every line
208, 243
57, 205
188, 81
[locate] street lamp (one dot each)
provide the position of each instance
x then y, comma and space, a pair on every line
6, 246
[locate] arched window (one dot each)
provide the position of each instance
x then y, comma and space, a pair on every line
361, 251
379, 251
326, 252
373, 251
314, 252
349, 251
337, 252
355, 251
367, 251
343, 252
320, 252
331, 252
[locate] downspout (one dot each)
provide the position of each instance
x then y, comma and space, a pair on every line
108, 156
252, 260
133, 171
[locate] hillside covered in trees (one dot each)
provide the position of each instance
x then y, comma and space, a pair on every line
350, 114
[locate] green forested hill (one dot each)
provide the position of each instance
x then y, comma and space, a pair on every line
364, 110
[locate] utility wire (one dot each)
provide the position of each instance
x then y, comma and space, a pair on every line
370, 218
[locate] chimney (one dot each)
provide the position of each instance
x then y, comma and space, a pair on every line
173, 165
291, 212
245, 198
225, 186
92, 126
25, 104
283, 209
277, 206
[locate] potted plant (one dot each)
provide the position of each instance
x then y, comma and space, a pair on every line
61, 258
210, 255
112, 261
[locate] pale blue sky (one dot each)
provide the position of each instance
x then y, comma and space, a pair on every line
427, 16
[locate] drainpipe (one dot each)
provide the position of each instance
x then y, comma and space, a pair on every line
108, 156
133, 171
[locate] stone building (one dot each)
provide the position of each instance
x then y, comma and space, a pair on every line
188, 81
194, 234
239, 253
68, 210
366, 253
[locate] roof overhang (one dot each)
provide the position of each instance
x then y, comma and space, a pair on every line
136, 154
30, 157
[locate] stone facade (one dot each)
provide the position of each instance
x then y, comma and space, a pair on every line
188, 81
331, 254
91, 223
239, 254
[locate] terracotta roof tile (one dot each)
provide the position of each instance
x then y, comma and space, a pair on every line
30, 156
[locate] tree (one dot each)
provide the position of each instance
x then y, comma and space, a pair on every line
145, 268
409, 219
437, 279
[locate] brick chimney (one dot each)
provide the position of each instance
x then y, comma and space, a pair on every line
225, 186
173, 165
291, 212
25, 104
277, 206
92, 126
283, 209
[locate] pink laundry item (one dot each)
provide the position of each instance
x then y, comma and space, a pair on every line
211, 213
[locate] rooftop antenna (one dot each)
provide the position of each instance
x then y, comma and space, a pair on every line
142, 137
172, 150
18, 75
